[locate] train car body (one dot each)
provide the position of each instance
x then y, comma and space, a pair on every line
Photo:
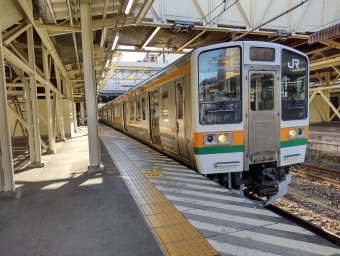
236, 112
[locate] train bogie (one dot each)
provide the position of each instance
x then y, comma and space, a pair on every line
237, 112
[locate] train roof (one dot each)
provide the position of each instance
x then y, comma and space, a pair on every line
187, 56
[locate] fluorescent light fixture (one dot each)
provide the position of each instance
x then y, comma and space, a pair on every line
187, 49
115, 42
103, 74
128, 7
153, 34
151, 48
127, 47
100, 82
107, 63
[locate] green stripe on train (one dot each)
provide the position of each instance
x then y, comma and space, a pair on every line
292, 143
218, 150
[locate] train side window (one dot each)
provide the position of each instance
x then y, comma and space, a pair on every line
180, 102
165, 106
138, 110
143, 108
117, 113
132, 110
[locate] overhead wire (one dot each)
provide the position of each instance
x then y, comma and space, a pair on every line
212, 11
224, 9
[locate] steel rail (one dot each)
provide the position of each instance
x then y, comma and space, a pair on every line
315, 177
332, 237
317, 168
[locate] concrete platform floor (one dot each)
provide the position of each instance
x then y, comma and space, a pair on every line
325, 128
66, 211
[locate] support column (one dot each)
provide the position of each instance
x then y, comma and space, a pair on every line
74, 109
328, 94
33, 92
82, 112
51, 138
28, 106
60, 115
90, 85
6, 170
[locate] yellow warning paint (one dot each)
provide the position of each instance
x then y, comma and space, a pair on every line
152, 173
176, 236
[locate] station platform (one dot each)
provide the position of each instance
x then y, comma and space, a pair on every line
324, 144
324, 129
143, 203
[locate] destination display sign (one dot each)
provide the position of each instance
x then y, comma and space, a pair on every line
262, 54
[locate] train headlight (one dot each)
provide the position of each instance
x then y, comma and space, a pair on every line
296, 133
292, 133
222, 138
215, 139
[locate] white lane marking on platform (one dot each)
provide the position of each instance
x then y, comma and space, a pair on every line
211, 227
205, 181
145, 160
139, 157
228, 217
286, 242
171, 165
182, 170
189, 185
224, 216
293, 229
208, 195
223, 206
224, 229
192, 175
147, 155
231, 249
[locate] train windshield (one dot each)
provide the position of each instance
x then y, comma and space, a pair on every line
294, 84
220, 86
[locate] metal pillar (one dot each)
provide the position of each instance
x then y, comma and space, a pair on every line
51, 138
28, 106
89, 77
6, 170
328, 94
82, 112
33, 91
74, 110
60, 114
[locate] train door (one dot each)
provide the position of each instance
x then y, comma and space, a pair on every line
263, 118
124, 117
154, 117
180, 119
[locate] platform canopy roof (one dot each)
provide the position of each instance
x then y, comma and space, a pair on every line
167, 26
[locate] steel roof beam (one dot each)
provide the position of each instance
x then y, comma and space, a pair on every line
44, 37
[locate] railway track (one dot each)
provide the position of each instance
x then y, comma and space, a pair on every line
318, 177
285, 213
334, 238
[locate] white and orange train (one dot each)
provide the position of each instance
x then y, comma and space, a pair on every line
236, 112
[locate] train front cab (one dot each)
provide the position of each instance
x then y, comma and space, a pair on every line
251, 122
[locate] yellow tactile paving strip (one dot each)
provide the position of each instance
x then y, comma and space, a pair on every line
173, 232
